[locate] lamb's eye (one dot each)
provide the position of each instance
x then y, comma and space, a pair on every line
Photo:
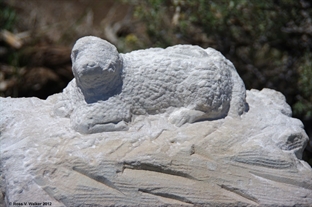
111, 69
74, 54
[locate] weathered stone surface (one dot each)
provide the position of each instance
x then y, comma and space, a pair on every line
247, 158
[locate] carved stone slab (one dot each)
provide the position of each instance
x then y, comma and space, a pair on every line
249, 156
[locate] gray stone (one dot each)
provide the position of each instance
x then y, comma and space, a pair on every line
185, 82
249, 156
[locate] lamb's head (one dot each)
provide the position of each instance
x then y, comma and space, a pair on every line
97, 68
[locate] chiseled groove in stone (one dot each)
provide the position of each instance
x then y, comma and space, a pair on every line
105, 165
294, 141
250, 199
166, 195
168, 202
155, 168
100, 179
49, 190
116, 148
86, 188
226, 144
283, 180
251, 158
97, 199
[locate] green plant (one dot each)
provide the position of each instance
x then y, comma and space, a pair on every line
303, 106
7, 17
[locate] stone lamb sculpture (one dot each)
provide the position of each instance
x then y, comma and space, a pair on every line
185, 83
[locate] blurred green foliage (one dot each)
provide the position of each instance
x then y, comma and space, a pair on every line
7, 17
269, 41
303, 106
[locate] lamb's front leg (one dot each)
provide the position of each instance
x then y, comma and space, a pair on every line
110, 115
184, 115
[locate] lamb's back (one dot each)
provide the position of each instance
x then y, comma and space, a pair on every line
179, 76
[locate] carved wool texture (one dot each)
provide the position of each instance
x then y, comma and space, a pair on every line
182, 81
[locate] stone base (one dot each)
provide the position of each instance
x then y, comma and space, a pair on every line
251, 160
